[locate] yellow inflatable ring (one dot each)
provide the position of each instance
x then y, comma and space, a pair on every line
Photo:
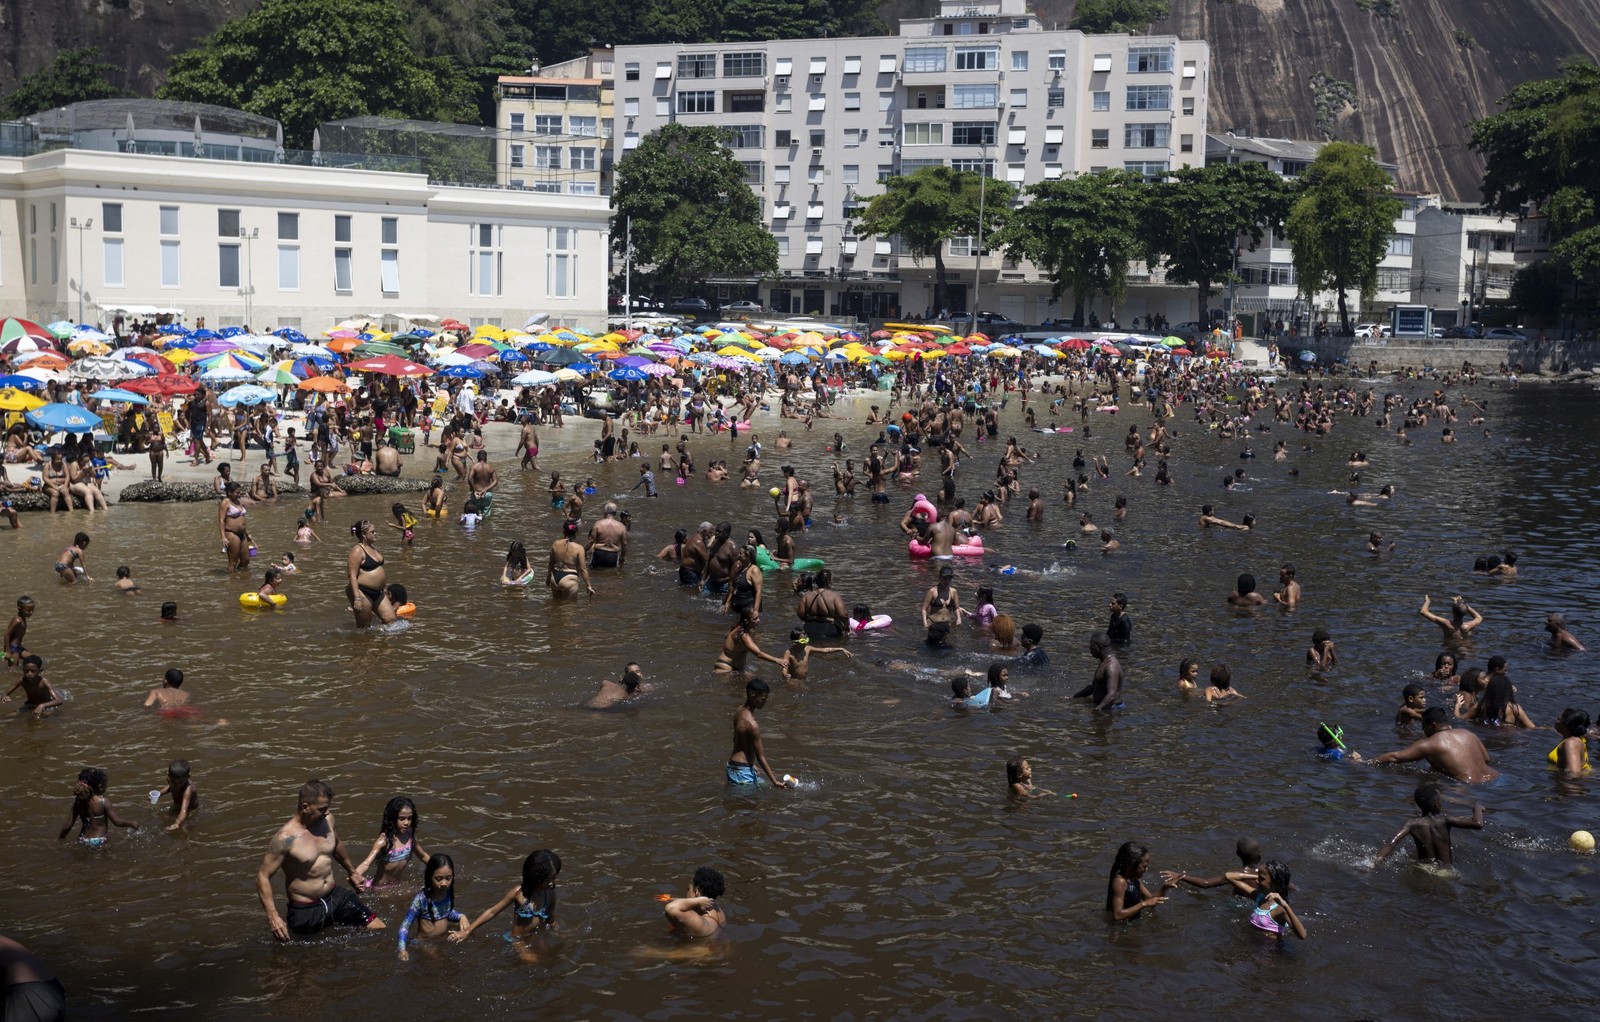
255, 601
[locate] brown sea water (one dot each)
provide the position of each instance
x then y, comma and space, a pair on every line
897, 882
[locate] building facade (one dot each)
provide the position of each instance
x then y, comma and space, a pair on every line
820, 124
273, 244
1466, 257
554, 127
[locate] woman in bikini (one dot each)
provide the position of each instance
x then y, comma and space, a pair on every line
83, 483
942, 604
231, 526
744, 591
55, 482
366, 588
739, 643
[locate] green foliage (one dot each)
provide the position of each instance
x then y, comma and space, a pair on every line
1199, 214
1341, 222
1331, 96
1380, 8
481, 36
1118, 15
304, 62
1083, 231
1464, 38
932, 205
1544, 148
1540, 289
71, 77
693, 216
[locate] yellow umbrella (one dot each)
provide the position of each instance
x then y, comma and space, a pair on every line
808, 339
568, 374
734, 351
14, 400
490, 331
88, 346
178, 356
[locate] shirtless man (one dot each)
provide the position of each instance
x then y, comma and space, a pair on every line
721, 554
692, 559
1244, 592
1560, 638
747, 755
387, 461
940, 538
1106, 688
613, 692
264, 486
608, 540
1209, 520
528, 444
305, 849
170, 695
1461, 622
1431, 829
567, 566
1289, 595
483, 477
739, 643
1457, 753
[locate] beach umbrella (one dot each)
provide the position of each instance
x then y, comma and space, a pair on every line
172, 328
627, 374
249, 394
227, 374
305, 350
234, 359
69, 418
232, 331
1173, 342
164, 386
15, 400
461, 372
61, 329
1179, 351
560, 357
273, 376
108, 369
635, 361
514, 356
88, 346
325, 385
203, 335
289, 333
368, 349
793, 358
568, 373
14, 329
27, 345
533, 378
116, 394
90, 333
656, 369
21, 382
390, 365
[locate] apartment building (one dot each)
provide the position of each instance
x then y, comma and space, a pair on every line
1466, 257
554, 127
983, 85
1269, 289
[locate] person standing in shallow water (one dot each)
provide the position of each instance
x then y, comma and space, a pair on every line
748, 756
305, 849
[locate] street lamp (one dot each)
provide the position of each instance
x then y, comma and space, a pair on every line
248, 291
87, 223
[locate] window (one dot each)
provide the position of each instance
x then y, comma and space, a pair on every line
112, 274
1188, 105
228, 224
630, 140
518, 156
887, 64
341, 228
519, 123
885, 101
984, 167
977, 58
582, 157
584, 127
1186, 143
783, 103
745, 102
1145, 136
697, 65
746, 136
582, 188
1055, 98
1143, 59
390, 230
630, 107
817, 101
963, 245
1101, 63
1294, 168
754, 171
1099, 138
1057, 60
169, 264
780, 174
1100, 101
924, 134
562, 252
228, 265
783, 138
972, 133
973, 97
1016, 135
1053, 136
819, 65
111, 217
1149, 97
816, 175
1400, 245
885, 138
484, 262
389, 271
910, 166
852, 65
342, 275
1052, 171
783, 244
784, 68
782, 211
1019, 60
1018, 97
547, 157
744, 65
1016, 173
1191, 69
885, 172
1151, 169
630, 71
697, 102
818, 138
850, 173
852, 101
813, 245
663, 106
925, 59
663, 70
288, 267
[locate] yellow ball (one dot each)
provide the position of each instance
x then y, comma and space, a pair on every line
1582, 841
774, 492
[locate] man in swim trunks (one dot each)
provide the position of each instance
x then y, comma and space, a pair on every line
608, 540
721, 556
1449, 751
1431, 829
567, 566
32, 991
305, 849
387, 463
692, 559
747, 755
1106, 688
483, 478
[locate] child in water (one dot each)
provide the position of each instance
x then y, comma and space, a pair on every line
1430, 830
1331, 740
1271, 913
696, 914
304, 535
1019, 780
470, 518
185, 799
92, 810
534, 898
1413, 700
286, 564
125, 582
1321, 656
434, 908
797, 658
396, 844
405, 522
269, 587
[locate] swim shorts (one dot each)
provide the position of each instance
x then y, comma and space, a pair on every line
340, 907
39, 1001
742, 773
603, 559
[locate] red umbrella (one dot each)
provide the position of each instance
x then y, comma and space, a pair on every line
453, 324
1075, 344
157, 362
165, 385
390, 365
1180, 351
478, 350
1106, 349
958, 349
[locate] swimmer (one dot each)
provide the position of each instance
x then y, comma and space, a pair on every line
1221, 689
1321, 655
396, 844
1413, 700
696, 914
269, 587
170, 695
1209, 520
1331, 745
304, 535
1458, 754
1188, 675
567, 567
797, 659
1105, 690
125, 582
1019, 781
1289, 595
434, 908
516, 571
286, 564
185, 797
1430, 829
611, 693
92, 810
1271, 913
1126, 894
748, 756
1244, 592
70, 564
740, 642
1560, 638
38, 695
169, 613
1571, 756
1249, 852
1461, 622
404, 522
534, 898
17, 630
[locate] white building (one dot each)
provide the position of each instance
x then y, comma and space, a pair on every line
1269, 288
1465, 258
819, 124
272, 244
554, 126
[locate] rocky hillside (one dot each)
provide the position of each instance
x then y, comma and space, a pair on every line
1404, 75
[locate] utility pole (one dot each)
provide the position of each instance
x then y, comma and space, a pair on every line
627, 278
249, 289
82, 269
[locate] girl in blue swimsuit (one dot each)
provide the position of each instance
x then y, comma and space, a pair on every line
534, 898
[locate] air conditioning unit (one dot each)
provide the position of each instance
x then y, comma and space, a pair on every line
816, 79
816, 152
783, 81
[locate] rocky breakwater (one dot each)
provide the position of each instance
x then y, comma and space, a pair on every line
151, 492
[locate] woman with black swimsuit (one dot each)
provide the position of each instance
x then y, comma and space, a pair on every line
744, 590
366, 588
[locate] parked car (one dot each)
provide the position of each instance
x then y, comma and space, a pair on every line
640, 303
993, 323
690, 307
1470, 333
1367, 331
744, 308
1501, 333
1191, 332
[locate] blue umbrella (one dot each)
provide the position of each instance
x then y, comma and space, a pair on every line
171, 328
461, 373
20, 382
537, 346
205, 335
71, 418
793, 358
289, 333
232, 331
125, 396
514, 356
628, 373
249, 394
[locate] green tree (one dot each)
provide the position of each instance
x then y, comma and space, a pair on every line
1199, 215
71, 77
693, 215
1118, 15
304, 62
1083, 231
1543, 148
1340, 224
1540, 289
932, 205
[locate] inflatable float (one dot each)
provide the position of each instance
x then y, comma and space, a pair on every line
871, 624
765, 562
255, 601
973, 547
405, 610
